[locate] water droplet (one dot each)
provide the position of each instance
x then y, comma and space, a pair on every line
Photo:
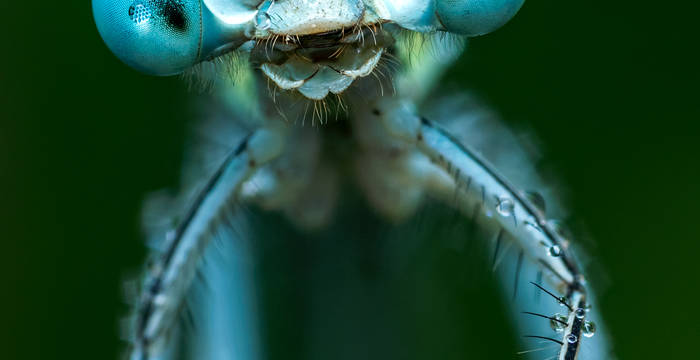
571, 339
558, 322
580, 313
588, 329
563, 302
505, 207
537, 199
554, 251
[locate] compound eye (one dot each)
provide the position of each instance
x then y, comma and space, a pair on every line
157, 37
476, 17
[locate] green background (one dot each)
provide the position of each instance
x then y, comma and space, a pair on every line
609, 88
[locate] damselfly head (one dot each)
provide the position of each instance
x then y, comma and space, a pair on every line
167, 37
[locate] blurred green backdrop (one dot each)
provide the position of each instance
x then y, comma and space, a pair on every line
609, 87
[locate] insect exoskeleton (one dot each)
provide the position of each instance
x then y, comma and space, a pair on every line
315, 49
167, 37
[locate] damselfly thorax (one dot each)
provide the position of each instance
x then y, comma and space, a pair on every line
359, 62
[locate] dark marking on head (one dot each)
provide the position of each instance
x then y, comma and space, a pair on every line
173, 13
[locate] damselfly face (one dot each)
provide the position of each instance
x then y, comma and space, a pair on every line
313, 46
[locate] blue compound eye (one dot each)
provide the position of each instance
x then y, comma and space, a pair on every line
157, 37
476, 17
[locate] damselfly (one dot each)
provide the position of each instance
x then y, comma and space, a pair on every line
370, 66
